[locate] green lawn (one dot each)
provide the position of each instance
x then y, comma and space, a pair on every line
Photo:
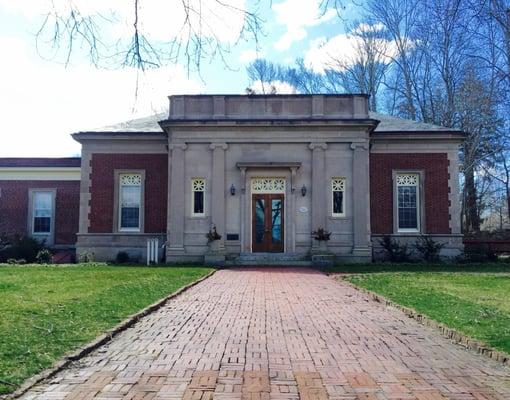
48, 311
475, 303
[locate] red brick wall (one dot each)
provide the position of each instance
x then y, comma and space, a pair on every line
102, 189
435, 167
14, 207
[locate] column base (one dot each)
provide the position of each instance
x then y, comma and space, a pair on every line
362, 254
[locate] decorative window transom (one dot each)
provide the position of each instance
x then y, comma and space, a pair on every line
198, 185
407, 179
131, 179
268, 185
338, 184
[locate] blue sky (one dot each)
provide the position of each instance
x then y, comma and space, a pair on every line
43, 101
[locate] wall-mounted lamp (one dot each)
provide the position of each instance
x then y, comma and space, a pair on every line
233, 190
303, 191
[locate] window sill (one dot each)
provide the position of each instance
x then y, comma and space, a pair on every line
338, 217
198, 217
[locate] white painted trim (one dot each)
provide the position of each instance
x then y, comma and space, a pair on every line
193, 213
342, 214
40, 173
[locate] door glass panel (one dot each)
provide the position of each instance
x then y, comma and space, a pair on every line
276, 220
259, 220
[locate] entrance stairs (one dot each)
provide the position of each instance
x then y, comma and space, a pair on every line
291, 259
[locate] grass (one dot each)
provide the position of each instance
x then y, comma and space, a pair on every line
472, 299
46, 312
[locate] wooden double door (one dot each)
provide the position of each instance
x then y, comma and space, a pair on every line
268, 223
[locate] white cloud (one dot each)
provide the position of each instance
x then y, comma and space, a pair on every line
343, 49
297, 16
247, 56
273, 87
42, 102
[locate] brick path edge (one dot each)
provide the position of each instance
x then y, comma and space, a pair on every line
81, 352
450, 333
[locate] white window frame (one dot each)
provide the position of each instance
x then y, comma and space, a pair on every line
52, 211
417, 184
119, 202
336, 182
198, 185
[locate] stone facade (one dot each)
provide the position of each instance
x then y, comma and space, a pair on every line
262, 170
228, 142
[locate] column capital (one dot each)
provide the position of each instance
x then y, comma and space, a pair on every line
214, 146
318, 146
359, 145
173, 146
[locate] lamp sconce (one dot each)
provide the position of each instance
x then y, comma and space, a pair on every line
303, 191
232, 190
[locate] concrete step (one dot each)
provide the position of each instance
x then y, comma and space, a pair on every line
291, 259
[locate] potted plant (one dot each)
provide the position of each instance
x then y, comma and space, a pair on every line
322, 236
216, 255
213, 239
320, 256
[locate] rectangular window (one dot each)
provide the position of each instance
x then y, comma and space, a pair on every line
198, 196
338, 196
130, 199
43, 211
408, 199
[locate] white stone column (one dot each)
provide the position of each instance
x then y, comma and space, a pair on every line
176, 200
219, 191
361, 200
318, 187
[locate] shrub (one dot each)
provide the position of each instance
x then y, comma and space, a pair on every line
479, 252
21, 247
428, 248
122, 257
44, 257
86, 257
393, 250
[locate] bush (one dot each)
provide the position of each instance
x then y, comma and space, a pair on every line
44, 257
479, 252
122, 257
86, 257
393, 250
21, 247
428, 248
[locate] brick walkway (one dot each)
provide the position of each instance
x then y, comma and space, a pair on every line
278, 334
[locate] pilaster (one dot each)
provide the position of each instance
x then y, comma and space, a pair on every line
176, 199
361, 202
218, 190
318, 187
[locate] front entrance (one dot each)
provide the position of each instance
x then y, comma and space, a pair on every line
267, 223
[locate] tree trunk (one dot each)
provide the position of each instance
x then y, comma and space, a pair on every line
472, 217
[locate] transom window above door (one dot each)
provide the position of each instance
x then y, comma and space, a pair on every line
268, 185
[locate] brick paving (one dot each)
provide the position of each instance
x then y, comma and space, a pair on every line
281, 334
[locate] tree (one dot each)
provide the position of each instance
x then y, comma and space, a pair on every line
365, 70
198, 34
